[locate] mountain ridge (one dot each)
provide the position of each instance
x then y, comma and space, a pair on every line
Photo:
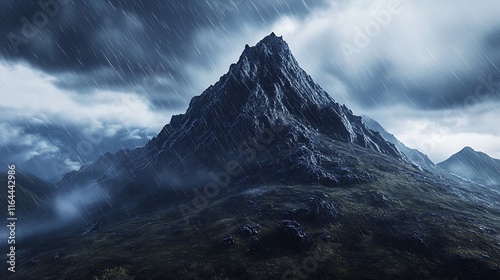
414, 155
265, 88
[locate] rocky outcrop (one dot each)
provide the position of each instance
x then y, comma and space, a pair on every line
294, 235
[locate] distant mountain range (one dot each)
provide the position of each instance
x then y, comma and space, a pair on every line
473, 165
467, 163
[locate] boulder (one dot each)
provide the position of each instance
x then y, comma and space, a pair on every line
294, 235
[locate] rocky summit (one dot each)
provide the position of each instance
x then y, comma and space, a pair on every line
266, 88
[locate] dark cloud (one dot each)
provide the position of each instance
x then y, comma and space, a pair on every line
383, 84
428, 56
137, 46
144, 47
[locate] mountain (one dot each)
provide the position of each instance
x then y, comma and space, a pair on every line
266, 89
265, 95
473, 165
414, 155
266, 177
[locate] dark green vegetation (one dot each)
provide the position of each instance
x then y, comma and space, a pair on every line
403, 224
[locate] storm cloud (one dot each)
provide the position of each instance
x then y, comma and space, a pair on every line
138, 46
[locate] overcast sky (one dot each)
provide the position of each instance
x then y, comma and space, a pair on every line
87, 77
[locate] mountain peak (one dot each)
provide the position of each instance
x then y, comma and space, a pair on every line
467, 149
470, 152
272, 39
474, 165
270, 50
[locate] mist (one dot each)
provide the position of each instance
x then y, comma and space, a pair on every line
80, 202
77, 207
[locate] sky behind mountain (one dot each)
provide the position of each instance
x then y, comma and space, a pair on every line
79, 78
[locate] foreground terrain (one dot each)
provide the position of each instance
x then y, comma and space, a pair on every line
406, 224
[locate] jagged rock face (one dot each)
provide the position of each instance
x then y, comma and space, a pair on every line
265, 88
265, 91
